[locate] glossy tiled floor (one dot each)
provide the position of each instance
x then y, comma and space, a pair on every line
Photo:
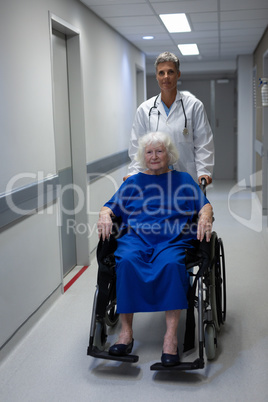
51, 364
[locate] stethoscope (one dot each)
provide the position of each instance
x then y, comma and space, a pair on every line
185, 130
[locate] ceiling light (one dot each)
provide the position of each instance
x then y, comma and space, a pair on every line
189, 50
148, 37
175, 22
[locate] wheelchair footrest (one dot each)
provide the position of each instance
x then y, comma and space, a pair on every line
95, 352
183, 366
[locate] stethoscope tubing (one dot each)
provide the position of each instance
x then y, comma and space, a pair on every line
185, 131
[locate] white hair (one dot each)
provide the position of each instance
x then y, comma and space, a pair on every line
155, 138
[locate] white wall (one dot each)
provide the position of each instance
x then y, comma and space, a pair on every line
109, 78
101, 191
29, 250
244, 118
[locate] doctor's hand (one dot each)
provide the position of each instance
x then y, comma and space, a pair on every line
105, 223
205, 220
208, 179
126, 177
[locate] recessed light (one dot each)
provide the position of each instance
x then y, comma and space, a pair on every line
175, 22
189, 49
148, 37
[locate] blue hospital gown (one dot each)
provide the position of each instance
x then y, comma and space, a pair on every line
158, 212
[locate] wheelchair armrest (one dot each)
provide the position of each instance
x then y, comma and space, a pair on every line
107, 247
205, 250
199, 255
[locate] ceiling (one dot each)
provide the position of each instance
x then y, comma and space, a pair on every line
222, 29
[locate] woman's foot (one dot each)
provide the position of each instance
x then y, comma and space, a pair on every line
122, 347
169, 360
170, 345
125, 338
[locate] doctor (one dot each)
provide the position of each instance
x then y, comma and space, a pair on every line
181, 116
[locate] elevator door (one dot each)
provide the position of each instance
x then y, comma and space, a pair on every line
63, 149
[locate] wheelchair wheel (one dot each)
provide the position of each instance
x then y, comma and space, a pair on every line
210, 341
217, 287
111, 316
212, 287
100, 335
221, 283
219, 307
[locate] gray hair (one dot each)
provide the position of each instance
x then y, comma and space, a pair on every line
154, 139
166, 57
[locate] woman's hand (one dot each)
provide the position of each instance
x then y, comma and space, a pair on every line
105, 223
205, 220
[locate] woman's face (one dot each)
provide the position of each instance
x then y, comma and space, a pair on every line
156, 159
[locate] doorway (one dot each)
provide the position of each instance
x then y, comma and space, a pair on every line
265, 144
70, 146
218, 97
140, 86
63, 148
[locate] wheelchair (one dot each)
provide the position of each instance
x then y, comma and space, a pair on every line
207, 295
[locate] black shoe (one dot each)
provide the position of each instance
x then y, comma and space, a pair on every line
170, 360
121, 349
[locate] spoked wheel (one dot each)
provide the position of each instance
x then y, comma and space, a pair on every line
221, 283
210, 341
212, 280
111, 316
100, 335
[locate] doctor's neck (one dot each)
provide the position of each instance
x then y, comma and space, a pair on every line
168, 97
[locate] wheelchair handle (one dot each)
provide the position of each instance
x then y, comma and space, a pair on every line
203, 185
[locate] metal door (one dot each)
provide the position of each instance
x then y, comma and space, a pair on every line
63, 149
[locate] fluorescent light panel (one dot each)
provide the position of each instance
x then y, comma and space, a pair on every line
189, 50
175, 22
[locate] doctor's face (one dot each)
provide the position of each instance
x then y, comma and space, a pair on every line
156, 159
167, 76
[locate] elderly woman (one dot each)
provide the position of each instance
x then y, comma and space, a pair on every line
158, 207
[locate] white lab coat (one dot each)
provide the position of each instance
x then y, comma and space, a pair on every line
196, 149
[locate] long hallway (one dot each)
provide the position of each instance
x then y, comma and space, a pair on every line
51, 364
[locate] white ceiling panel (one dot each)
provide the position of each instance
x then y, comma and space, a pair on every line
222, 29
236, 25
122, 10
204, 26
242, 4
133, 21
244, 15
146, 30
203, 17
195, 6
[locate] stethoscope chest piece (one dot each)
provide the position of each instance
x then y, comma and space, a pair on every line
185, 131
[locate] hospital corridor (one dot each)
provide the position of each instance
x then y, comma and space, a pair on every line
114, 111
51, 364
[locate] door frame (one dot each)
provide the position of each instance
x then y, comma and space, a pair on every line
265, 144
77, 126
